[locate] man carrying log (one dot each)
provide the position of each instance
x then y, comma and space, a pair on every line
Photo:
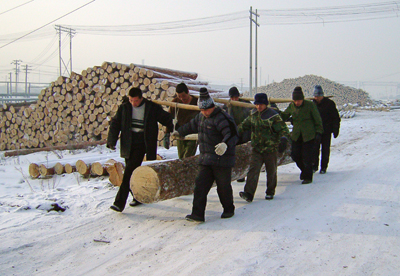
136, 120
238, 113
307, 131
268, 137
186, 148
217, 134
331, 123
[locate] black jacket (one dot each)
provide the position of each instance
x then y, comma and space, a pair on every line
219, 127
329, 115
121, 123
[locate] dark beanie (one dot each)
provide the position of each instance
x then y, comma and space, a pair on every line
318, 92
261, 98
297, 94
234, 92
205, 101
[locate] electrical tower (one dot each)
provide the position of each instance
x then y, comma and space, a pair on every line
71, 33
26, 69
16, 62
251, 49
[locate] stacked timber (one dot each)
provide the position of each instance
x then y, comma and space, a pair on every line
78, 108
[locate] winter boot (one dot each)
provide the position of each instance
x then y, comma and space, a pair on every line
195, 218
115, 208
246, 196
134, 203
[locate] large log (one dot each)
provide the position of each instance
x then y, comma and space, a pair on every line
170, 179
65, 147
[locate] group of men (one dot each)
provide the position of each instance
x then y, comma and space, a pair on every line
219, 131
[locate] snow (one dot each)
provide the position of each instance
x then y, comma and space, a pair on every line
345, 223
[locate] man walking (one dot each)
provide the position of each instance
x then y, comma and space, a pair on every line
238, 113
331, 123
217, 134
186, 148
307, 131
136, 120
268, 137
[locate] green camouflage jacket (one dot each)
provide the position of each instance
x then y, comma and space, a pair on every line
306, 120
266, 128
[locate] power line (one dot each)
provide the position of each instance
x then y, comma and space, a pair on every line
16, 7
236, 20
47, 24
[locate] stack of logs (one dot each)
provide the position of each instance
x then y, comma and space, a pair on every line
112, 165
78, 108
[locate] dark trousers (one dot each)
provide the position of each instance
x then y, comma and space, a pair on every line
302, 154
257, 160
204, 181
135, 160
325, 147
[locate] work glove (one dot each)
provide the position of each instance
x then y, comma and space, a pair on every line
283, 144
318, 138
335, 133
110, 147
175, 133
166, 140
220, 148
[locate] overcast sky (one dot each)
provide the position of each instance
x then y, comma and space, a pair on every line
343, 51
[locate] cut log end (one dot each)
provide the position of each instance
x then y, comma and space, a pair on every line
147, 187
34, 171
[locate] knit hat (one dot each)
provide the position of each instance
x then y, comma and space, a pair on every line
297, 94
234, 92
318, 92
261, 98
205, 101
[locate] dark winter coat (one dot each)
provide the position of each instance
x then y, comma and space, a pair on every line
219, 127
121, 123
266, 128
329, 115
306, 120
239, 114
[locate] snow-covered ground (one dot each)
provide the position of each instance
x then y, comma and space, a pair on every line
346, 222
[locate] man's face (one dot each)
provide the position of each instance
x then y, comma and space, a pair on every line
318, 98
261, 107
135, 101
298, 102
183, 97
234, 98
207, 112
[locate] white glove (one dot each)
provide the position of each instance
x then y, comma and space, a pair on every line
175, 133
220, 148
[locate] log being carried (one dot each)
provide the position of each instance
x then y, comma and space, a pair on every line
167, 180
170, 179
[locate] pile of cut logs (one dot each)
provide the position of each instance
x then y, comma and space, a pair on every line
78, 108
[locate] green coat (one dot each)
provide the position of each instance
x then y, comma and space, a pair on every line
266, 128
306, 120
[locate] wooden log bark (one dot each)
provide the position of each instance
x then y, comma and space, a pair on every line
64, 147
59, 168
70, 168
45, 171
116, 171
34, 171
166, 180
82, 167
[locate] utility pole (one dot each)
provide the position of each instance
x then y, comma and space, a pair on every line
71, 33
26, 80
251, 48
16, 62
